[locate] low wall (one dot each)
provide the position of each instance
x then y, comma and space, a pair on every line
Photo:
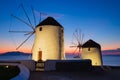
24, 73
80, 65
50, 65
68, 65
30, 64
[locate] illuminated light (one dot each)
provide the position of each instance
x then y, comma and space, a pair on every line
49, 40
6, 66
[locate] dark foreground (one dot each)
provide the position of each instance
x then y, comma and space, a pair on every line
113, 74
8, 72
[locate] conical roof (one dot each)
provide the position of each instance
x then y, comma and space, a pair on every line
49, 21
91, 43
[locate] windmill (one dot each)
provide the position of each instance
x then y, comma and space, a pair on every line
77, 43
28, 23
49, 37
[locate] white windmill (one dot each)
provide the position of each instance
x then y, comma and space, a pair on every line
92, 50
49, 38
77, 43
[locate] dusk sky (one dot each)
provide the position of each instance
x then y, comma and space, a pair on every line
99, 20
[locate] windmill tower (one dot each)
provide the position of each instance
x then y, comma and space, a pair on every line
92, 50
77, 43
49, 38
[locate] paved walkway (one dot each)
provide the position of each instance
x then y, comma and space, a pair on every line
113, 74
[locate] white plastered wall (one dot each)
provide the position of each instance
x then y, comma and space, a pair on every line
47, 41
94, 54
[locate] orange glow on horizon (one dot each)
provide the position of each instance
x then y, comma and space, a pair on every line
9, 47
69, 50
4, 50
110, 46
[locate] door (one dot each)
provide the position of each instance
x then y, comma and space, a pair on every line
39, 55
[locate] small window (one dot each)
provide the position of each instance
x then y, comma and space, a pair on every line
88, 49
62, 30
40, 29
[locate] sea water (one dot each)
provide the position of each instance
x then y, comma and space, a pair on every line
15, 57
109, 60
113, 60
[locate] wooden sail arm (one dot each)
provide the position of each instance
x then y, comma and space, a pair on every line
26, 14
22, 21
24, 41
20, 31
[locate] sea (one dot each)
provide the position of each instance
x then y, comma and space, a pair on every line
108, 60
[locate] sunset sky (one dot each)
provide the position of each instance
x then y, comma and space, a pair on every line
99, 20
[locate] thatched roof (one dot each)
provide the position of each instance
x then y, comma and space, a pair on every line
91, 43
49, 21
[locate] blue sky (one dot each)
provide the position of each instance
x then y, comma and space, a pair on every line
98, 19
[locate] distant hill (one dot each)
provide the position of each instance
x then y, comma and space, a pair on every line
111, 52
15, 53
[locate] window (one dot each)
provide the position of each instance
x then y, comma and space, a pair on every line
62, 30
40, 29
88, 49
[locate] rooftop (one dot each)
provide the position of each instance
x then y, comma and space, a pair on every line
49, 21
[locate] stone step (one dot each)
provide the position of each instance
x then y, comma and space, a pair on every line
40, 66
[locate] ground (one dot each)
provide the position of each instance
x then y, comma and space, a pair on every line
113, 74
